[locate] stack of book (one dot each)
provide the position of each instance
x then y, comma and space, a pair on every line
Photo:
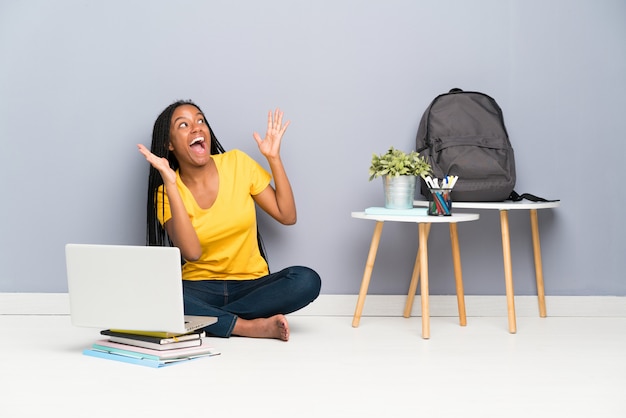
151, 349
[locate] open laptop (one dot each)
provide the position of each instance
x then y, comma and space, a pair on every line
126, 287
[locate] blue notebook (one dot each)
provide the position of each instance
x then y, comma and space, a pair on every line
134, 360
397, 212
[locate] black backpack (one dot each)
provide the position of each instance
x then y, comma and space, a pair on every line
462, 133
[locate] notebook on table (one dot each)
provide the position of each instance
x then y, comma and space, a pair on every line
124, 287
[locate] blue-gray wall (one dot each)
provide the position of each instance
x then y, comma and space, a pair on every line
82, 82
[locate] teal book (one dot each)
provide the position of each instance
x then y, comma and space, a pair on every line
134, 359
397, 212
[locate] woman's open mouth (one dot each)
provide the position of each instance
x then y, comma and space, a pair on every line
198, 145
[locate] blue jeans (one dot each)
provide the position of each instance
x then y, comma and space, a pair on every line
278, 293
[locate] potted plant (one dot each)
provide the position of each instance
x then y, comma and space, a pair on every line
399, 171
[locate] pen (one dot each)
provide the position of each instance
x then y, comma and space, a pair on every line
443, 203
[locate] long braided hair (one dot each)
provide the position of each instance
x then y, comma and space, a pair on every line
155, 233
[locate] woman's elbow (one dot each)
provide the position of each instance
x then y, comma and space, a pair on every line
288, 220
191, 254
192, 257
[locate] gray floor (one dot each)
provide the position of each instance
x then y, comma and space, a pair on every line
552, 367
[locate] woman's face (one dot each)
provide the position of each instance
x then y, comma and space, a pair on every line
189, 136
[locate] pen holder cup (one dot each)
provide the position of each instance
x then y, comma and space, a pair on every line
440, 202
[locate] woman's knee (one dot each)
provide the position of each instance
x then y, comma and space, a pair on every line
308, 280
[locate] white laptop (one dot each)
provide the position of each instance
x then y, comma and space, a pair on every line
128, 288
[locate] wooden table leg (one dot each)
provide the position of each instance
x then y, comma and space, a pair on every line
423, 256
534, 223
408, 306
367, 274
458, 274
508, 270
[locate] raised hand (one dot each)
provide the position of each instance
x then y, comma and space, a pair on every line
161, 164
270, 145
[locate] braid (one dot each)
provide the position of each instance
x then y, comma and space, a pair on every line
155, 233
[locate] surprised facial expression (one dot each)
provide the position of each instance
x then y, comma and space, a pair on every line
189, 136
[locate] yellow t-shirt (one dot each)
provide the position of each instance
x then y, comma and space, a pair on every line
227, 230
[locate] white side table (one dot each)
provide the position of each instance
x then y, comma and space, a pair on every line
421, 262
504, 208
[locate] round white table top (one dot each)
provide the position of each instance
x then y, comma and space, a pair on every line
455, 217
506, 205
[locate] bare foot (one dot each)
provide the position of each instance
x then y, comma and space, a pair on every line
273, 327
